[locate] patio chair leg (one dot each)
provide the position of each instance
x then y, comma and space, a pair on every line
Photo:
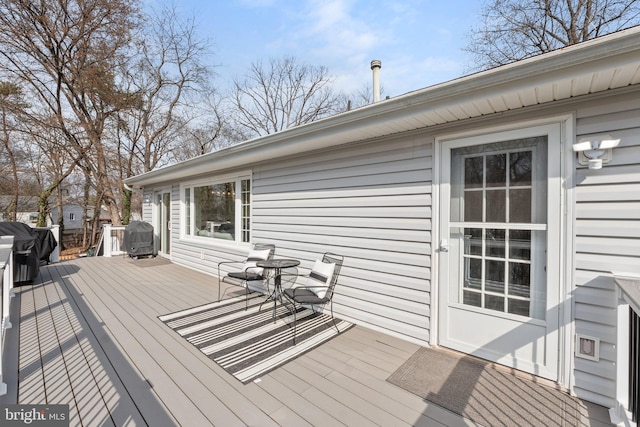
333, 318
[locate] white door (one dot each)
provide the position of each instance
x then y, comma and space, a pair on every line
163, 222
499, 248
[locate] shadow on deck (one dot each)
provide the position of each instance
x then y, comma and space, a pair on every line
87, 334
67, 357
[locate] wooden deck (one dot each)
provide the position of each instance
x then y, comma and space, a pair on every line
89, 336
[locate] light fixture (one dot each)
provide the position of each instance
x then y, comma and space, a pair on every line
595, 150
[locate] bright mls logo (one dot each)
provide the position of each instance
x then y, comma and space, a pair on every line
34, 415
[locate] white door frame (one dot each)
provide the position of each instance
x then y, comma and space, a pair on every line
565, 233
157, 223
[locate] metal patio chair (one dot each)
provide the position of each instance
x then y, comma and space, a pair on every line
318, 289
248, 271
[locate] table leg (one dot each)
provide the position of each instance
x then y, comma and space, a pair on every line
277, 284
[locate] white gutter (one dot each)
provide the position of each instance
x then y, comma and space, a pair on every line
132, 189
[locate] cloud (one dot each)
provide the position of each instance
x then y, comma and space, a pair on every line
406, 73
413, 43
337, 28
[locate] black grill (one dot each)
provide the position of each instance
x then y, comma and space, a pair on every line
138, 239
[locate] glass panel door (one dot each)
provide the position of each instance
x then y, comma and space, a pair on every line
499, 226
163, 221
499, 200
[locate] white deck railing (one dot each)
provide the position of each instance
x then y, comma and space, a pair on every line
112, 240
6, 291
626, 411
6, 283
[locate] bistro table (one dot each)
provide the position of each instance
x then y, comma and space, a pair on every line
276, 265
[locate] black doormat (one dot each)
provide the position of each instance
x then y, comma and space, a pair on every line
149, 261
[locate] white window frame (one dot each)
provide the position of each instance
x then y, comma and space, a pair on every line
237, 179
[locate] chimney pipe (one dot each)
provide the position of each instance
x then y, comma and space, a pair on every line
376, 64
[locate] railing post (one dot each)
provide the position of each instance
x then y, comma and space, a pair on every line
6, 285
55, 255
7, 282
627, 286
619, 414
106, 240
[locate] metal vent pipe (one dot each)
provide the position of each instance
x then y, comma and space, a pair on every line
376, 64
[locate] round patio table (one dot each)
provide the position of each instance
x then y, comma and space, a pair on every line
277, 265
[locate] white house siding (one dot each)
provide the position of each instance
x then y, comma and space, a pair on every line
607, 237
147, 206
369, 202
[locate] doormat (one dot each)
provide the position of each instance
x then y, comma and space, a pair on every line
483, 394
247, 343
153, 261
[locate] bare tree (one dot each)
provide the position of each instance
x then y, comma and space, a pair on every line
209, 130
11, 106
165, 78
516, 29
53, 160
357, 98
66, 52
282, 94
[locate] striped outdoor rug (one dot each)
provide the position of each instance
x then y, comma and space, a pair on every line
247, 343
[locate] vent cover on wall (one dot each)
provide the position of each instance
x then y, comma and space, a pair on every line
587, 347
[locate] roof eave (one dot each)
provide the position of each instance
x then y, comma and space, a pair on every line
593, 56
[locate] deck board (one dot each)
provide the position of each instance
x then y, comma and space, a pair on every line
145, 352
90, 337
30, 363
115, 395
180, 360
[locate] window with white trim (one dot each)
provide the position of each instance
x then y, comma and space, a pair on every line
498, 208
218, 210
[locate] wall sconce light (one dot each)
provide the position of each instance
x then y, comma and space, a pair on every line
595, 151
146, 199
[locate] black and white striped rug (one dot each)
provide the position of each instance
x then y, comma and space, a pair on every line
247, 343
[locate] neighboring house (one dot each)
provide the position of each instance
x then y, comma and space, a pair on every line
465, 216
72, 217
74, 225
27, 209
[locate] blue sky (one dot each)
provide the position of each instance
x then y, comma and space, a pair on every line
418, 41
